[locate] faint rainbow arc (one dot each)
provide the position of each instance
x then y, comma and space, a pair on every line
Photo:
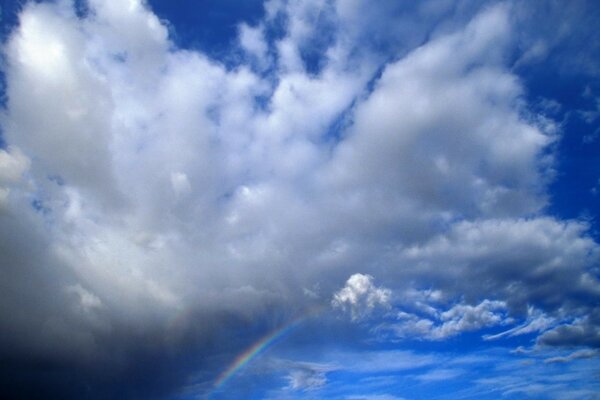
261, 345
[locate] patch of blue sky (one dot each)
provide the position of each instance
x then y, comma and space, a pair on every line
312, 363
564, 84
207, 25
81, 8
577, 152
462, 366
453, 375
484, 374
9, 17
2, 140
313, 51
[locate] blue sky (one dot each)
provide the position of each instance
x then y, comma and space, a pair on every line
299, 199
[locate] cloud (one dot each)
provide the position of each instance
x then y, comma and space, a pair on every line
443, 324
306, 379
536, 322
583, 331
552, 42
522, 261
156, 202
440, 375
13, 164
360, 296
382, 361
576, 355
253, 42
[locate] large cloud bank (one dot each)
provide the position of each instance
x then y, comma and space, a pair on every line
153, 199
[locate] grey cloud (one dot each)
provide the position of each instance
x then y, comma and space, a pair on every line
523, 261
576, 355
67, 134
584, 331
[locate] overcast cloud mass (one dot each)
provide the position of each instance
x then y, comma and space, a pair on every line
396, 200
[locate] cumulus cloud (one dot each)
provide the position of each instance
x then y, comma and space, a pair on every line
153, 199
360, 296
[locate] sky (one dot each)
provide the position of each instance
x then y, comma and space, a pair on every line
299, 199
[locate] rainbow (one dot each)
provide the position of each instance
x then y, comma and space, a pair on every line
259, 347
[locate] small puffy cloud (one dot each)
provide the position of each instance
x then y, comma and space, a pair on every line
360, 296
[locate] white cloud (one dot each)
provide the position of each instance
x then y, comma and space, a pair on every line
461, 318
458, 319
258, 192
13, 164
360, 296
383, 361
442, 374
536, 321
180, 183
306, 379
253, 42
